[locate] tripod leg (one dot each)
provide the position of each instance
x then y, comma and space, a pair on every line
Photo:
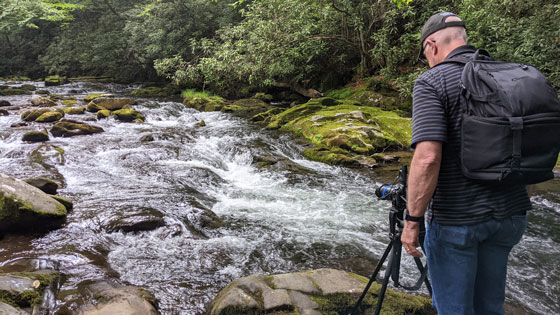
372, 278
388, 272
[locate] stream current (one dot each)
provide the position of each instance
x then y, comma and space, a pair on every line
294, 215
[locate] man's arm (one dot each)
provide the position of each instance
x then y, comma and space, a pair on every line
422, 180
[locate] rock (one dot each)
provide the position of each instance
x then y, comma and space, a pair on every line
32, 115
201, 123
28, 87
147, 138
26, 289
91, 97
104, 113
4, 103
69, 102
35, 136
67, 203
135, 220
263, 97
26, 208
201, 219
49, 117
55, 80
246, 107
112, 103
323, 291
16, 125
152, 91
7, 309
74, 110
4, 112
128, 115
41, 101
203, 102
13, 91
107, 299
93, 108
69, 128
43, 92
46, 185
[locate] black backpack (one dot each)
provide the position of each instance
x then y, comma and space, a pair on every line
510, 130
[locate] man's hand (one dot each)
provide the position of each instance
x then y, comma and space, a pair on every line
409, 238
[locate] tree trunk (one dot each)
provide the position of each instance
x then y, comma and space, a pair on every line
299, 89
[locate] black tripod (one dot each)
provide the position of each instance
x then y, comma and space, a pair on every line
395, 193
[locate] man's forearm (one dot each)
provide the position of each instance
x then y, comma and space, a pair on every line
422, 180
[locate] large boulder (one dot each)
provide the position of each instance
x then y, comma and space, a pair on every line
103, 298
128, 115
49, 117
35, 136
25, 208
70, 128
135, 220
48, 186
74, 110
4, 103
247, 107
55, 80
322, 291
41, 101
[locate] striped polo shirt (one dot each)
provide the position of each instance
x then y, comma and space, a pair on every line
436, 116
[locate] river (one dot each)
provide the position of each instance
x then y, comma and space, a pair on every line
291, 216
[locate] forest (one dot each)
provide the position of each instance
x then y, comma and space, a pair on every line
235, 47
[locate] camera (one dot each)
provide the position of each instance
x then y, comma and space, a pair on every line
396, 192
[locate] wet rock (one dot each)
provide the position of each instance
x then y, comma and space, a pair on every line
46, 185
17, 125
27, 265
104, 113
49, 117
93, 108
25, 208
41, 101
91, 97
204, 103
43, 92
31, 115
69, 102
322, 291
69, 128
153, 91
13, 91
201, 123
135, 220
112, 103
4, 112
55, 80
128, 115
4, 103
200, 219
246, 107
7, 309
69, 205
147, 138
28, 87
103, 298
74, 110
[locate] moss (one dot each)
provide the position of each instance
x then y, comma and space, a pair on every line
29, 298
91, 97
35, 136
32, 115
167, 91
202, 101
104, 113
128, 115
263, 97
557, 162
71, 128
74, 110
50, 117
93, 108
69, 205
55, 80
69, 102
28, 87
8, 92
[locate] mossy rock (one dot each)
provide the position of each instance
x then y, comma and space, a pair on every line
263, 97
28, 87
205, 104
24, 208
112, 103
69, 128
74, 110
265, 117
35, 136
128, 115
55, 80
48, 186
93, 108
91, 97
13, 91
69, 102
42, 92
50, 117
65, 202
104, 113
201, 123
32, 115
25, 289
153, 91
41, 101
4, 103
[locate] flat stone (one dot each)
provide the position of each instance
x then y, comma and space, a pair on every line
332, 281
16, 284
234, 298
277, 300
6, 309
302, 301
295, 281
255, 284
125, 300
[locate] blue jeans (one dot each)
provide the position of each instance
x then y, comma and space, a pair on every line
468, 264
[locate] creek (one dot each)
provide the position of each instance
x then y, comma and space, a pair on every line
293, 215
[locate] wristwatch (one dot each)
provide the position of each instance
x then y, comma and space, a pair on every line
408, 217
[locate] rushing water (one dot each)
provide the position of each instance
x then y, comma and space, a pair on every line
291, 216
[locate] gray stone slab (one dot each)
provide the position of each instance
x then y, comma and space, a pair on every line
276, 300
16, 284
332, 281
295, 281
6, 309
254, 284
302, 301
236, 298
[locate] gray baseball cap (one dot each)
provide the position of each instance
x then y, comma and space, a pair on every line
435, 23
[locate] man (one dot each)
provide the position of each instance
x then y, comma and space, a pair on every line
471, 227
